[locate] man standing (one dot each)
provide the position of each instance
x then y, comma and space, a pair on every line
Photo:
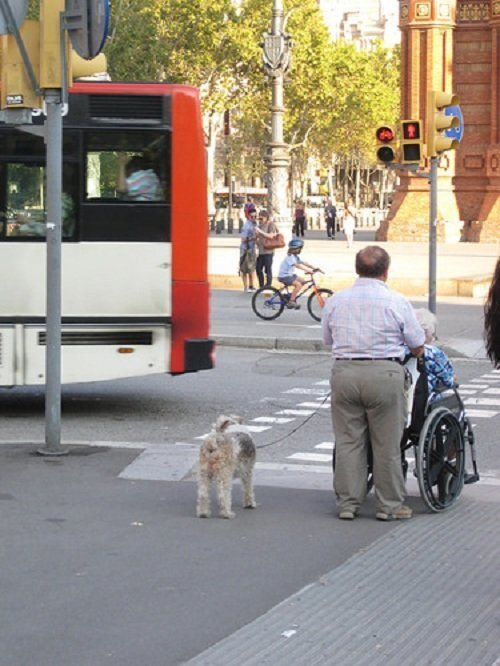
330, 218
368, 326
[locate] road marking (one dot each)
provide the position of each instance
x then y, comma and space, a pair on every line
473, 386
328, 446
315, 405
307, 391
464, 391
296, 412
482, 401
249, 428
271, 419
293, 467
323, 382
311, 457
493, 378
492, 391
481, 413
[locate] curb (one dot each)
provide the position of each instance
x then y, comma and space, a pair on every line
304, 345
469, 287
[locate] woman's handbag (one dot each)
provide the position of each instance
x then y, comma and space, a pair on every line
273, 243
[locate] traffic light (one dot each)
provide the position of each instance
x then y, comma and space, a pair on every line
386, 144
438, 122
17, 88
411, 141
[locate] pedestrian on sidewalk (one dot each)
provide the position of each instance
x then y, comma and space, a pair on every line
300, 218
330, 218
492, 319
368, 327
265, 257
248, 251
349, 222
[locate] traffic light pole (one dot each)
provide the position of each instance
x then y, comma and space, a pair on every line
53, 138
433, 233
432, 177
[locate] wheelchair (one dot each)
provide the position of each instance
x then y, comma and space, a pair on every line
437, 431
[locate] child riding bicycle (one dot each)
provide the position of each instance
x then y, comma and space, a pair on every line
287, 271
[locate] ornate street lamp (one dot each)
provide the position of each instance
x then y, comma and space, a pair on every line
276, 55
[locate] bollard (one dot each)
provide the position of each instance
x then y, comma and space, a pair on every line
230, 226
219, 226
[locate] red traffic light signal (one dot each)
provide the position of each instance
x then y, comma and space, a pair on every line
385, 134
385, 152
411, 141
410, 129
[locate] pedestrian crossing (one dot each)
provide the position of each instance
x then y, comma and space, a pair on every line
481, 396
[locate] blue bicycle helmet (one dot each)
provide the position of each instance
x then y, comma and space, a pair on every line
296, 245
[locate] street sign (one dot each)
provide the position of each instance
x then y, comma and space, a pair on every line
12, 10
456, 133
87, 23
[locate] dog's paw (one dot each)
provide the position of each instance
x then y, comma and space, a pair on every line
203, 514
227, 514
250, 505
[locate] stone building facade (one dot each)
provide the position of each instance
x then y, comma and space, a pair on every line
452, 45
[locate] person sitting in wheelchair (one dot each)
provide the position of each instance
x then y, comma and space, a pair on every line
287, 273
438, 367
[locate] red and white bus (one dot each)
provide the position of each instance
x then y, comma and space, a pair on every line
135, 293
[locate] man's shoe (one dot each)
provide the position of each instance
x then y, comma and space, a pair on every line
293, 305
403, 513
347, 514
251, 289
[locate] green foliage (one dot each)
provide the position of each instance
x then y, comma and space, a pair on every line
335, 95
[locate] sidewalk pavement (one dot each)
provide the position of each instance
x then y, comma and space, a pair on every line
463, 269
101, 569
426, 593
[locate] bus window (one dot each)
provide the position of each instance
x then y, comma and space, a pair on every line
23, 201
127, 166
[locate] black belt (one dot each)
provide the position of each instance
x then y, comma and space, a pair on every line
364, 358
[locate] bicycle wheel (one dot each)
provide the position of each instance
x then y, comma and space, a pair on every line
316, 301
267, 303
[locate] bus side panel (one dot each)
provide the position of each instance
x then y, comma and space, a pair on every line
189, 233
191, 348
189, 190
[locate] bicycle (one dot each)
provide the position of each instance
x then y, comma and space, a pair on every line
269, 302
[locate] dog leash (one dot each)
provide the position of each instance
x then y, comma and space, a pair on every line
301, 425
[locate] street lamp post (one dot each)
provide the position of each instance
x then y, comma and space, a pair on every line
276, 47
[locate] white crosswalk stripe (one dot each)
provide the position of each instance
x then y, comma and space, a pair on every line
272, 419
311, 457
328, 446
315, 405
296, 412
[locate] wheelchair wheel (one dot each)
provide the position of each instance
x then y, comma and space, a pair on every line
369, 472
440, 459
315, 302
267, 303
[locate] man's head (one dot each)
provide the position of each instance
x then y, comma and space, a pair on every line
263, 216
372, 262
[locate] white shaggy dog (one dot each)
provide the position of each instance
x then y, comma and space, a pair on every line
227, 451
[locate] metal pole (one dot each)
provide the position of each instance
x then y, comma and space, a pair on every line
277, 61
433, 234
53, 139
